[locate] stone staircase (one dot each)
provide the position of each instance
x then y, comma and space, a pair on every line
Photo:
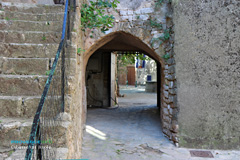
29, 38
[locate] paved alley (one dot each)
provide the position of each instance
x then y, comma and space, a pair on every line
133, 132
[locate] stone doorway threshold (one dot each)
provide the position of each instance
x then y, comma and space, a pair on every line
133, 132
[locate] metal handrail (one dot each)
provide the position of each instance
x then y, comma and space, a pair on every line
36, 120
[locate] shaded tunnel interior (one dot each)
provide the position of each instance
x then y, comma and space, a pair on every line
100, 68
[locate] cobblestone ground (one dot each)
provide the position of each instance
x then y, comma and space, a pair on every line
133, 132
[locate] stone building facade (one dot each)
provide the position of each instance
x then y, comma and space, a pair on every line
196, 48
199, 97
136, 29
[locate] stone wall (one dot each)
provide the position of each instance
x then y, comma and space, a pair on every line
207, 68
76, 99
49, 2
142, 24
205, 62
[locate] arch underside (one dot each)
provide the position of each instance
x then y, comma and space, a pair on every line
124, 41
121, 41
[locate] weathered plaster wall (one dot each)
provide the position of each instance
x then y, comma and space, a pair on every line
207, 36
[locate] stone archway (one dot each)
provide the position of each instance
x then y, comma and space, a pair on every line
122, 41
125, 41
133, 25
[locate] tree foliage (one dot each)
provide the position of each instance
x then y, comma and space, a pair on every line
94, 14
129, 58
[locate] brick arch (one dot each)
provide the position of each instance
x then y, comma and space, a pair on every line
132, 42
125, 41
122, 41
137, 33
133, 23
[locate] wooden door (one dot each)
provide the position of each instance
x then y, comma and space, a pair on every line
131, 75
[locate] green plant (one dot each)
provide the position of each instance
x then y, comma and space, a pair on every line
79, 50
166, 35
129, 58
48, 72
6, 18
156, 40
94, 15
159, 3
163, 38
0, 121
44, 38
10, 153
166, 56
74, 30
155, 24
118, 151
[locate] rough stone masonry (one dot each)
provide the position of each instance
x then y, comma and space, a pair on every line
139, 19
200, 90
200, 87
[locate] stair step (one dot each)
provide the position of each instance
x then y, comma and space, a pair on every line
22, 85
25, 106
55, 26
20, 1
24, 66
7, 15
29, 85
29, 50
32, 8
13, 130
30, 37
33, 66
18, 106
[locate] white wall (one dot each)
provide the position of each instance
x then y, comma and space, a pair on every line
150, 69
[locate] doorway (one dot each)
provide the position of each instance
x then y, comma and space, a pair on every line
129, 129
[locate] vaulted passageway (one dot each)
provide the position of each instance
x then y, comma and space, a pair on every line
98, 65
121, 41
138, 115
